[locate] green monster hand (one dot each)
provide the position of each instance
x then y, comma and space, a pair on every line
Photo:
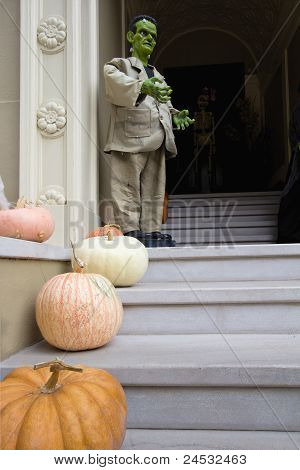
160, 93
182, 120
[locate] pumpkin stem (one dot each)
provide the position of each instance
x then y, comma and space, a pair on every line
110, 236
56, 367
80, 264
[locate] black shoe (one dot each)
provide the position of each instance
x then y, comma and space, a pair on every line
139, 234
158, 236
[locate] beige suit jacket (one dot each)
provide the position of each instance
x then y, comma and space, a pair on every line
138, 122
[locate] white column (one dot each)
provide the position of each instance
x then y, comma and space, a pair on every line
30, 81
58, 77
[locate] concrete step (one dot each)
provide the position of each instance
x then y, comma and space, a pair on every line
221, 210
221, 233
226, 195
224, 263
221, 218
239, 201
222, 241
211, 307
216, 222
185, 360
156, 439
13, 248
214, 382
210, 408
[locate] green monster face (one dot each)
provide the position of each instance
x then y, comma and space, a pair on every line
143, 41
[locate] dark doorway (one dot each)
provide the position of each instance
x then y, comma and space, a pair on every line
215, 96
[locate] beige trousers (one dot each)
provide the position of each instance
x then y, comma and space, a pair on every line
138, 183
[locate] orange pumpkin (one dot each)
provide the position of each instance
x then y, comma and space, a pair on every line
27, 222
102, 231
165, 208
76, 311
62, 409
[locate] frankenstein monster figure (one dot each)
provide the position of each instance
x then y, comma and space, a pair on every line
140, 136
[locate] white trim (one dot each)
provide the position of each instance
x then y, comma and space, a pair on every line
82, 99
29, 99
72, 76
74, 89
93, 63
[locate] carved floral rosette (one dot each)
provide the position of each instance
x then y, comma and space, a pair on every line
52, 195
51, 34
51, 119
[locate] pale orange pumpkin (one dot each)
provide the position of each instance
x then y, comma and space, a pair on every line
64, 408
102, 231
31, 223
76, 311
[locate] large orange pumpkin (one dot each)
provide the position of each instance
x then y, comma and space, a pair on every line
62, 409
76, 311
27, 222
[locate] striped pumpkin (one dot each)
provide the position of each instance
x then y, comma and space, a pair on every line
77, 311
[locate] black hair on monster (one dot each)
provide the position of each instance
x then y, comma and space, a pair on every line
136, 19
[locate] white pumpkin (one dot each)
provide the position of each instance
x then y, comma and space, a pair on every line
122, 260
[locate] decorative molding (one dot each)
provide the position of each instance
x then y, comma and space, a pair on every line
30, 97
68, 80
82, 98
51, 34
51, 119
52, 195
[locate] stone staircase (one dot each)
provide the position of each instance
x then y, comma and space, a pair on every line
238, 218
209, 350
